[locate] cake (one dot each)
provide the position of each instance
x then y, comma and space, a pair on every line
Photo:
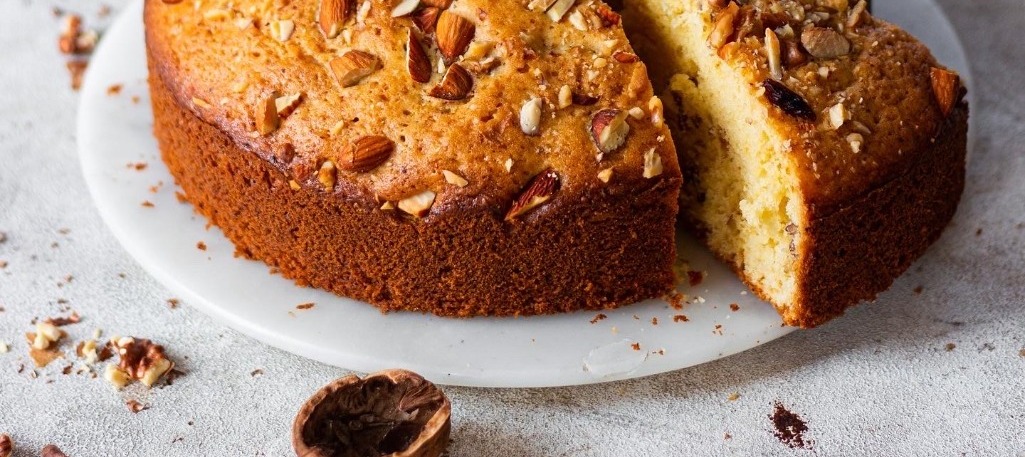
460, 158
823, 150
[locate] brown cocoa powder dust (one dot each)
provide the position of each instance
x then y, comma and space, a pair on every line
789, 427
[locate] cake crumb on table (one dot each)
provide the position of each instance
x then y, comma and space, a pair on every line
789, 427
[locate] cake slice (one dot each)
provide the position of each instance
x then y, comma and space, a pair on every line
823, 149
463, 158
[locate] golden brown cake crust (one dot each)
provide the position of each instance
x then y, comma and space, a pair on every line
593, 246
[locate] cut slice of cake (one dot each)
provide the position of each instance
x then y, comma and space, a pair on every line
823, 149
462, 157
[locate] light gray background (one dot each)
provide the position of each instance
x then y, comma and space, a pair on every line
878, 381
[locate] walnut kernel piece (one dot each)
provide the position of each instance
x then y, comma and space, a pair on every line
723, 29
141, 359
946, 87
392, 412
418, 205
116, 376
530, 117
47, 335
823, 43
353, 66
609, 129
787, 100
51, 451
539, 190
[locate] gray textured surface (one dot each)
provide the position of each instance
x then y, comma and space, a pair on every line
879, 381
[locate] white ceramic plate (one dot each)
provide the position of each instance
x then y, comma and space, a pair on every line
114, 131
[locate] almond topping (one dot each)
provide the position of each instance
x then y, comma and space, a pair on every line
366, 154
856, 141
282, 30
565, 97
454, 34
605, 175
454, 179
404, 8
286, 105
837, 115
857, 14
823, 43
442, 4
636, 113
478, 50
657, 116
946, 86
540, 5
418, 205
268, 121
609, 129
333, 14
775, 55
723, 26
539, 190
559, 9
417, 62
426, 19
625, 57
530, 117
652, 164
326, 175
353, 66
455, 85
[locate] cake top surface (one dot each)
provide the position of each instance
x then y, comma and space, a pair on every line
857, 98
419, 104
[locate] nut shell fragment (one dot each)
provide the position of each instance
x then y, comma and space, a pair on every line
393, 412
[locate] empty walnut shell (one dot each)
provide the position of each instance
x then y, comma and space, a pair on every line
394, 413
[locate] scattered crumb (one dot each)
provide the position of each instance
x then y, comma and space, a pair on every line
680, 318
3, 237
135, 99
733, 396
978, 232
718, 329
654, 321
734, 307
173, 303
676, 299
636, 346
727, 436
3, 264
694, 278
789, 427
114, 89
4, 348
64, 231
201, 246
987, 347
76, 68
305, 306
147, 204
599, 317
918, 290
181, 197
256, 372
135, 407
74, 318
950, 347
138, 166
103, 12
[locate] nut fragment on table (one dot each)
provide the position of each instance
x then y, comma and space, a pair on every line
392, 412
51, 450
141, 360
6, 446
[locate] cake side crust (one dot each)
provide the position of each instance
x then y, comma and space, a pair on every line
591, 251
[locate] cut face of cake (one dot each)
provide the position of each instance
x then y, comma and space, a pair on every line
822, 148
463, 158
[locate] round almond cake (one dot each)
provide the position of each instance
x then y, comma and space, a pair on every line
471, 157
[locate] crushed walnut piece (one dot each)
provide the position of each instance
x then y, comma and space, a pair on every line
140, 359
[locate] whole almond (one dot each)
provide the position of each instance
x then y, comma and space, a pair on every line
366, 154
417, 62
455, 85
454, 34
946, 87
539, 190
333, 15
353, 66
609, 129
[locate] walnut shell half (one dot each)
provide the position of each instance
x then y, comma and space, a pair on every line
395, 413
